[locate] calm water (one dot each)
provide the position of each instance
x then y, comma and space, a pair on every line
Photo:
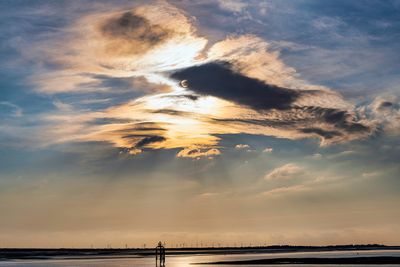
185, 261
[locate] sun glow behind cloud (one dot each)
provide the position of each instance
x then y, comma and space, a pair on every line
159, 44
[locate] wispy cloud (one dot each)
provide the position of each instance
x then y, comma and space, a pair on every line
281, 191
232, 5
284, 172
16, 111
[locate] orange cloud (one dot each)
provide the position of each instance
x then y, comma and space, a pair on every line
198, 152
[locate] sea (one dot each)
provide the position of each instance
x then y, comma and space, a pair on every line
190, 260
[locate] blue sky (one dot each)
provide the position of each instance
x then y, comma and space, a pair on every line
288, 131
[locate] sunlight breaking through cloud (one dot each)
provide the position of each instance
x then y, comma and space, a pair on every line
234, 86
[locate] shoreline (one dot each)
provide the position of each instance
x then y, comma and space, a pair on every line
88, 253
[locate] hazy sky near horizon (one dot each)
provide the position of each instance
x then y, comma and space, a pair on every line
285, 131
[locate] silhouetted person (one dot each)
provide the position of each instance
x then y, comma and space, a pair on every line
160, 255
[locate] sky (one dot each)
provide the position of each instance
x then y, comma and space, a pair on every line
199, 122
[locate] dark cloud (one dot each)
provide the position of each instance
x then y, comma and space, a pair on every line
150, 140
265, 122
172, 112
139, 135
136, 136
148, 124
150, 129
218, 79
328, 124
142, 127
384, 105
187, 96
193, 151
105, 121
130, 27
322, 133
341, 119
332, 123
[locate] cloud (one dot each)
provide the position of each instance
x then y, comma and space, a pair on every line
209, 195
134, 151
137, 42
277, 192
370, 174
62, 106
251, 77
386, 111
256, 58
232, 5
242, 146
150, 140
291, 178
237, 85
268, 150
317, 156
196, 152
130, 34
285, 172
219, 80
327, 23
16, 110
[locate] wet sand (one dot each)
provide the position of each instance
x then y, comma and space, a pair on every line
319, 261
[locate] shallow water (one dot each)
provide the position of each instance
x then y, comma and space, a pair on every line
187, 260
